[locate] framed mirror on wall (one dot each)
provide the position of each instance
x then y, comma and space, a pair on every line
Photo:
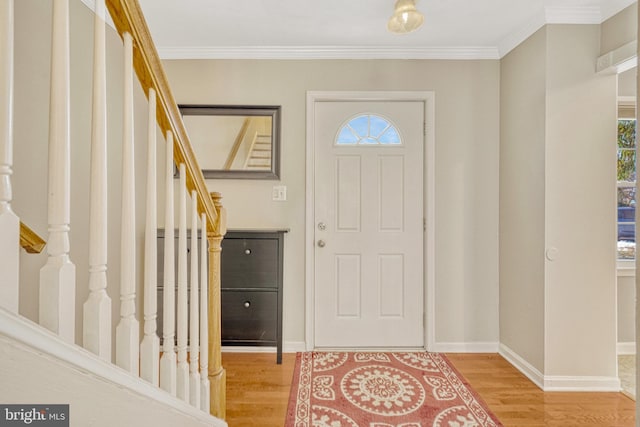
235, 141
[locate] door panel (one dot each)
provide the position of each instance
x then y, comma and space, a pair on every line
369, 225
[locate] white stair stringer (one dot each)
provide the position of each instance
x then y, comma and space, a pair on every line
42, 368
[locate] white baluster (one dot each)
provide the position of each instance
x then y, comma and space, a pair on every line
127, 331
194, 320
204, 320
168, 359
96, 332
58, 276
183, 367
150, 347
9, 222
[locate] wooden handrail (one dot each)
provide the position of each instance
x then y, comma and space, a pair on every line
30, 241
236, 144
128, 18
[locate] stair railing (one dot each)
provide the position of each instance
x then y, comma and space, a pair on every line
202, 382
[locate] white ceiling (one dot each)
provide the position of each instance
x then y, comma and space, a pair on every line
453, 29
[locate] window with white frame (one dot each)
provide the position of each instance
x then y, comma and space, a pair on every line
626, 182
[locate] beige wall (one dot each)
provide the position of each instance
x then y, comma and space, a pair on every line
522, 186
570, 208
627, 83
626, 309
579, 206
619, 30
466, 169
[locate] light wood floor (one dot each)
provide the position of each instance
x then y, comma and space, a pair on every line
258, 393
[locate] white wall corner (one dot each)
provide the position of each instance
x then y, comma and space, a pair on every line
522, 365
465, 347
626, 348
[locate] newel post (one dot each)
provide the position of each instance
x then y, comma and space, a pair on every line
217, 374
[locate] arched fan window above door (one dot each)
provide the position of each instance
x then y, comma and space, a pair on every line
368, 129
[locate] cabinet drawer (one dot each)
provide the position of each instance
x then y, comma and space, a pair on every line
249, 316
249, 263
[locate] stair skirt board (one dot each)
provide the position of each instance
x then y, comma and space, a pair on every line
41, 368
559, 382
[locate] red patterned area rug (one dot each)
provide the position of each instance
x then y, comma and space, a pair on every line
373, 389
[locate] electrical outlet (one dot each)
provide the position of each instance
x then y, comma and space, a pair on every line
279, 193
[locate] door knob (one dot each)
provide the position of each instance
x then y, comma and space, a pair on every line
321, 243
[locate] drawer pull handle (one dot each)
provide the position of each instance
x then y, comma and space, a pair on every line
247, 304
247, 251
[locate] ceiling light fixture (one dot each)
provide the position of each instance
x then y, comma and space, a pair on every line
406, 17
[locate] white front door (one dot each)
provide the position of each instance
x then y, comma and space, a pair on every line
368, 213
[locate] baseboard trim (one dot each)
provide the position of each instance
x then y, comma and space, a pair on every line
571, 383
465, 347
559, 382
294, 346
527, 369
287, 347
626, 348
247, 349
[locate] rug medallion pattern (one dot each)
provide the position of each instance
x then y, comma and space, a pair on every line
373, 389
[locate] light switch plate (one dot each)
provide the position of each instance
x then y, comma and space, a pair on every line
279, 193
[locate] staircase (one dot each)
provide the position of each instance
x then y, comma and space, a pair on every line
88, 169
260, 154
252, 147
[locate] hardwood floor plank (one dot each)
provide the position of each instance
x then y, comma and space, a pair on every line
257, 388
518, 402
258, 394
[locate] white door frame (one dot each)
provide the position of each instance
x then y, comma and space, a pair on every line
428, 98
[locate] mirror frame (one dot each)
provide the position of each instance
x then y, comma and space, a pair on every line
273, 111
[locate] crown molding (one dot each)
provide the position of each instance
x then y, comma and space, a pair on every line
572, 15
559, 15
328, 52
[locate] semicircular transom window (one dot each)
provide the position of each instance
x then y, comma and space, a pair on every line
368, 129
